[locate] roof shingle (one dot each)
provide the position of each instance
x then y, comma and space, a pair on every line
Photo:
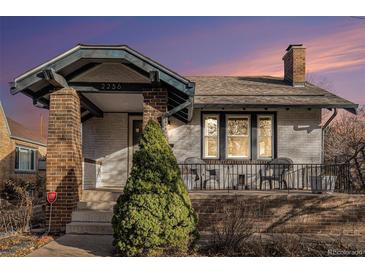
17, 130
261, 91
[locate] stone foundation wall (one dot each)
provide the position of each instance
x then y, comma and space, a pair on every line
282, 213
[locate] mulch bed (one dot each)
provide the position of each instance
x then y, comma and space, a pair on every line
17, 244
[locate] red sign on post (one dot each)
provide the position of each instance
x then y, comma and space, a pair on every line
51, 197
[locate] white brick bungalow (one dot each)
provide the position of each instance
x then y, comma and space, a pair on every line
100, 97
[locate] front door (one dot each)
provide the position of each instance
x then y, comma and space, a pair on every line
135, 133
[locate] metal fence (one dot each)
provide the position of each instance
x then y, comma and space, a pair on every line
316, 178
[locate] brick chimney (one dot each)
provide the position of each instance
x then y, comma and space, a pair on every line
294, 65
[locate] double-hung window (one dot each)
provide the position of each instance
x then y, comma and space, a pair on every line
238, 136
211, 136
25, 159
265, 136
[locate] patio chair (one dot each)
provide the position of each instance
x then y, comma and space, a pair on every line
194, 169
211, 178
207, 175
275, 171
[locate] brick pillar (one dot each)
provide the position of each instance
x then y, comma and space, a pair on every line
154, 105
64, 157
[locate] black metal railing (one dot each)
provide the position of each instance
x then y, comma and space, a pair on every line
316, 178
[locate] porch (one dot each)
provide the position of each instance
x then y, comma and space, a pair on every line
248, 176
266, 176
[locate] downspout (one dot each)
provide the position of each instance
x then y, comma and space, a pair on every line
325, 126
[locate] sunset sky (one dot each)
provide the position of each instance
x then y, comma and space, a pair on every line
190, 46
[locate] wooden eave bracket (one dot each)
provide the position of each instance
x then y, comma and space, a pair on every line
55, 79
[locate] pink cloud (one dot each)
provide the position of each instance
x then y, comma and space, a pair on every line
344, 49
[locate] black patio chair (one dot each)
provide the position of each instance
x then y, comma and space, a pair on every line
204, 175
275, 170
194, 169
211, 178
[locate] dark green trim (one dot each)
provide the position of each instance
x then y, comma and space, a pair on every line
253, 136
349, 107
101, 52
125, 88
90, 106
222, 136
222, 133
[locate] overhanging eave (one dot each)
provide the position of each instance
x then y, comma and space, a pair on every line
348, 107
58, 63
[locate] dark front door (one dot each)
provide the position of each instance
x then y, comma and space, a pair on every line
135, 133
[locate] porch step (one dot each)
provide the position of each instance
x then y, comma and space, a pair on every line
89, 228
94, 212
92, 216
96, 205
101, 195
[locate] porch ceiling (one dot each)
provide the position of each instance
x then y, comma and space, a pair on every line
117, 102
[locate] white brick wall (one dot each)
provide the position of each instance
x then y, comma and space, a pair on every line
299, 136
106, 139
185, 138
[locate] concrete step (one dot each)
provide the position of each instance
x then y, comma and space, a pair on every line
92, 216
89, 228
101, 195
96, 205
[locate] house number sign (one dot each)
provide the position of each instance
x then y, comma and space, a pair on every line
110, 86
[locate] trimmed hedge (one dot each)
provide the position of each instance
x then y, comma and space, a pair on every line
154, 215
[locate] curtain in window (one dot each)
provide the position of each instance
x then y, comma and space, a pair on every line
265, 137
24, 159
211, 137
238, 137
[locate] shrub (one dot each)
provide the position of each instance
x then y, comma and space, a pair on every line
12, 186
16, 217
232, 232
154, 215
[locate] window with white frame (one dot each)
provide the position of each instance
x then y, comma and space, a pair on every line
211, 136
238, 136
25, 159
265, 136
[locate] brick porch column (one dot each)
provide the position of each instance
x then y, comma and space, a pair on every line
64, 157
154, 105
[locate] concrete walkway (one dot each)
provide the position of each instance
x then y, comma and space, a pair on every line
77, 246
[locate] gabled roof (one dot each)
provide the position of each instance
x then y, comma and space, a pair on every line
20, 132
261, 91
29, 79
66, 69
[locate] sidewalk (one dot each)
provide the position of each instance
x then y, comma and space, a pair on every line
77, 246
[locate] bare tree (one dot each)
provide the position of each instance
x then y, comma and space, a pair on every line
320, 81
345, 141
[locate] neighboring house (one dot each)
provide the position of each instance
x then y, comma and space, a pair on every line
21, 150
114, 90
